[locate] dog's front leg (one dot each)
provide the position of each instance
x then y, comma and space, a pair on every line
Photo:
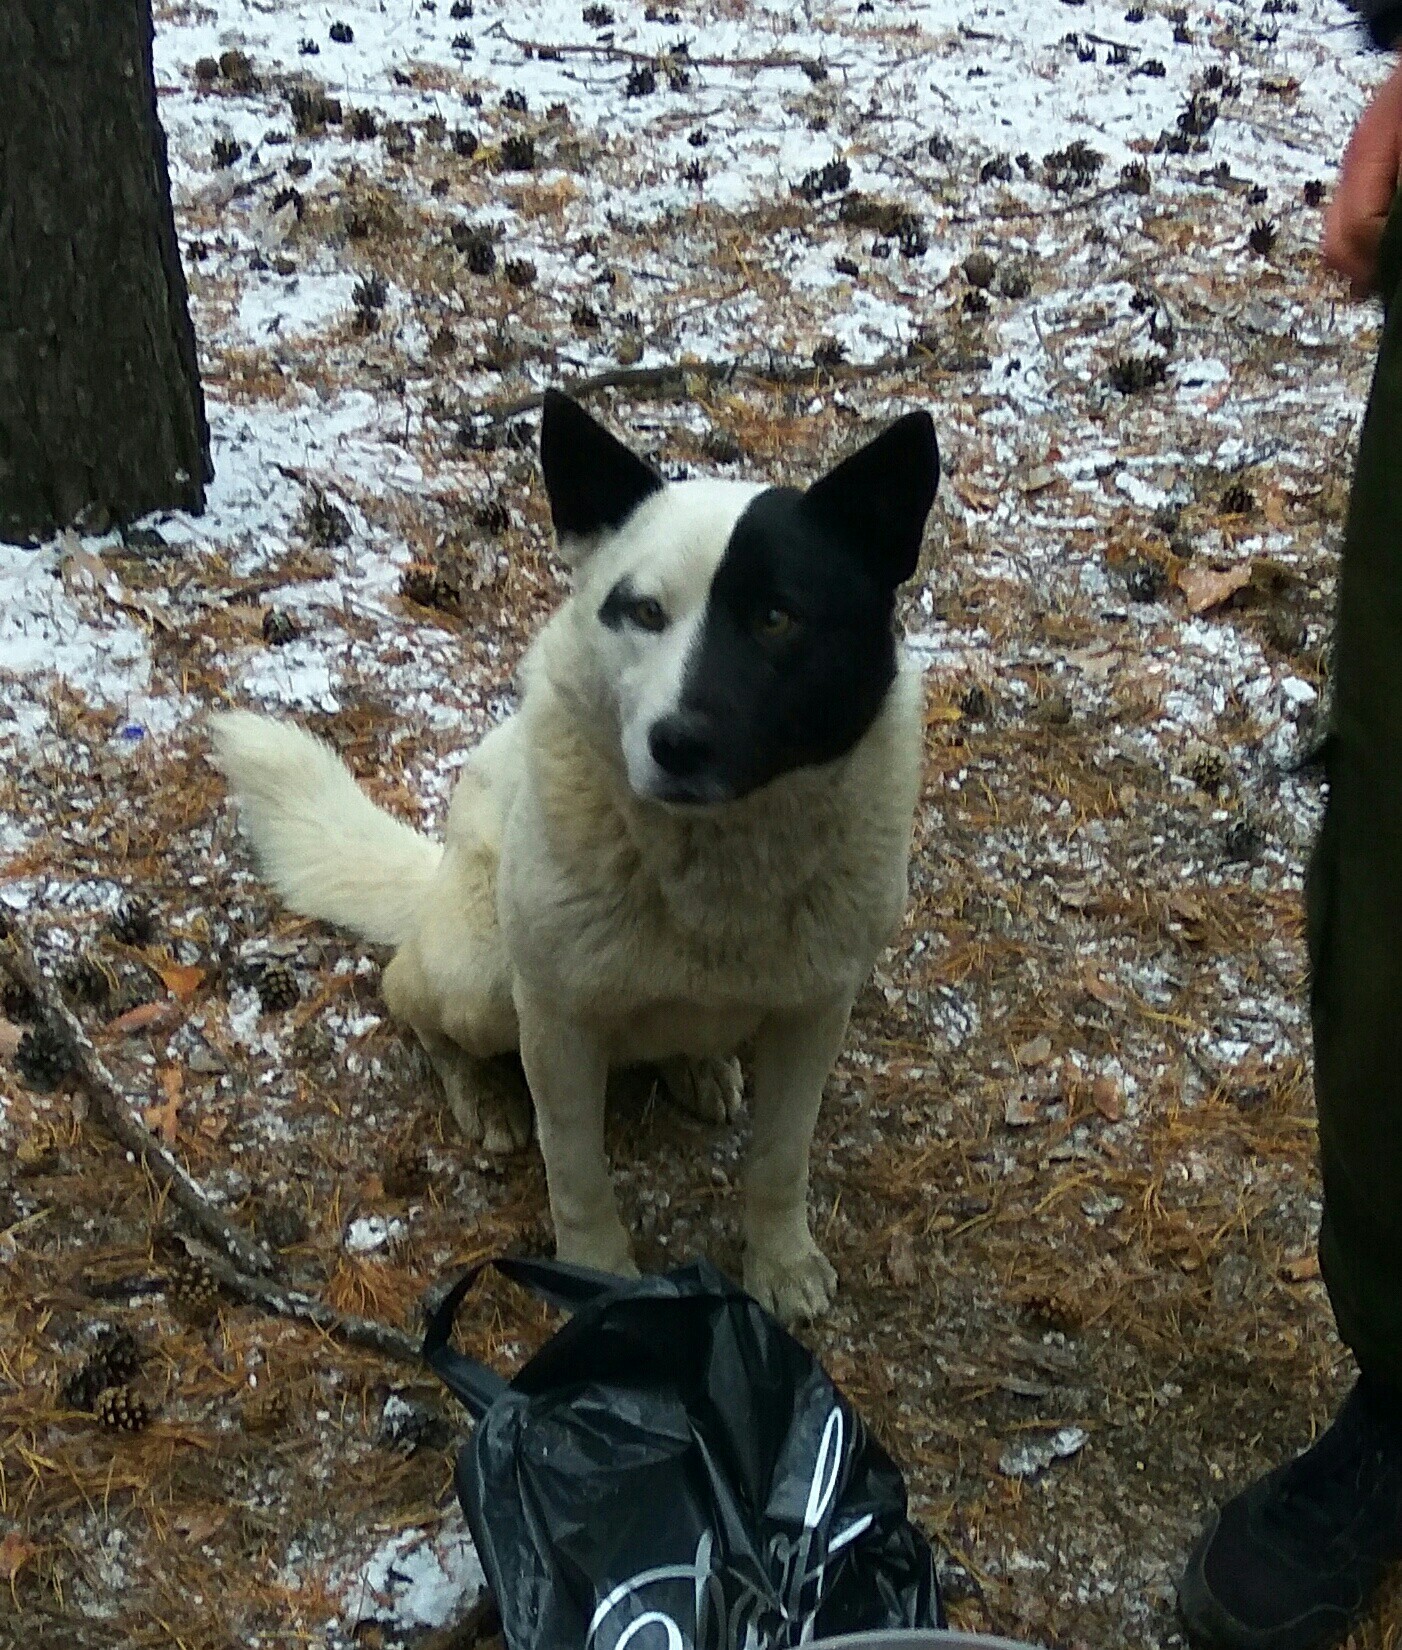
784, 1268
567, 1069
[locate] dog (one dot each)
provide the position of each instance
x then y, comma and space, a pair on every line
692, 836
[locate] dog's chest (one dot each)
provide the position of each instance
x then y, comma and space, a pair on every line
697, 923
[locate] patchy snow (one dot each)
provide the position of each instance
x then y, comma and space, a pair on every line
673, 224
368, 1233
415, 1579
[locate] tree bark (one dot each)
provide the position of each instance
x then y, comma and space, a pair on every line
101, 413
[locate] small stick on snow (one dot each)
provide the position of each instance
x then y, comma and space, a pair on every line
548, 50
119, 1115
712, 372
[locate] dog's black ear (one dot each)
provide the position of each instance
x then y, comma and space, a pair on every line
878, 498
594, 482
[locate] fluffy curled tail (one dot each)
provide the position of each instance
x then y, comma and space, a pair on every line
321, 842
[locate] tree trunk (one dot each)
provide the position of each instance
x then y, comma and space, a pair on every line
101, 414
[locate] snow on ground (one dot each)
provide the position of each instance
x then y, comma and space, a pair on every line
1083, 1070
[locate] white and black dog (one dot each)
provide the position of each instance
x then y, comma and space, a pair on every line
692, 837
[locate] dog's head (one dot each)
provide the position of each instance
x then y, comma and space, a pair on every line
728, 633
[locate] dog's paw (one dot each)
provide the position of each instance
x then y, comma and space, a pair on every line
710, 1089
795, 1284
507, 1122
492, 1104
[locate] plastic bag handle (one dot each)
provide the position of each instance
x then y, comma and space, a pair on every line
475, 1386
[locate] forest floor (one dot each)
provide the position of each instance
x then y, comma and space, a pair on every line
1066, 1168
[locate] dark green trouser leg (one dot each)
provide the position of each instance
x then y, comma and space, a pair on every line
1355, 893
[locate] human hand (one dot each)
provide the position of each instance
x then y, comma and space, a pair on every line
1368, 183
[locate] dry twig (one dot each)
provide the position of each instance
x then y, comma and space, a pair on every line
711, 372
549, 49
120, 1117
293, 1303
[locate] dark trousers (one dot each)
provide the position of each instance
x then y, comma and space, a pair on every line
1355, 890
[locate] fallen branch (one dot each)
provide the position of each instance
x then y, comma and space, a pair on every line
119, 1115
293, 1303
710, 372
549, 49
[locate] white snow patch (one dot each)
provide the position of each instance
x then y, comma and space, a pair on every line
416, 1579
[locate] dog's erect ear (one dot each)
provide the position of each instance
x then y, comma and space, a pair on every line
878, 498
594, 482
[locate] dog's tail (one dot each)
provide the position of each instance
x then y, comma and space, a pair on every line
321, 842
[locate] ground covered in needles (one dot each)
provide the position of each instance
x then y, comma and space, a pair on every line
1066, 1166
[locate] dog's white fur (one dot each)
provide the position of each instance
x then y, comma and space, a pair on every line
570, 915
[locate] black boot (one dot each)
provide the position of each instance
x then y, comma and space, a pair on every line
1295, 1560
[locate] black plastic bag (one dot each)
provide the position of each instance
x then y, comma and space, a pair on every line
673, 1471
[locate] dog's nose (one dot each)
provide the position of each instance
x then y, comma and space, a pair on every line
680, 745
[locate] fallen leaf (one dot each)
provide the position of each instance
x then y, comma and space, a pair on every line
180, 980
1205, 588
1035, 1053
1187, 907
148, 609
1103, 990
1021, 1113
81, 566
143, 1017
1096, 662
10, 1035
163, 1119
977, 498
1303, 1269
196, 1527
900, 1261
1107, 1098
16, 1551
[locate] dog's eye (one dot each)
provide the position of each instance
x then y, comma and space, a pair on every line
774, 623
648, 614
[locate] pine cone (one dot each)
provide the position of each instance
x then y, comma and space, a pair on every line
117, 1353
1207, 768
87, 979
427, 584
45, 1056
279, 628
1244, 841
277, 987
1286, 630
280, 1225
974, 703
114, 1359
406, 1172
192, 1291
407, 1425
133, 923
16, 999
1263, 237
122, 1410
264, 1409
1144, 581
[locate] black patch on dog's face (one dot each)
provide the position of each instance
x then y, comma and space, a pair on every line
796, 650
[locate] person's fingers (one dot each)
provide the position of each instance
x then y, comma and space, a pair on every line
1368, 181
1367, 184
1351, 242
